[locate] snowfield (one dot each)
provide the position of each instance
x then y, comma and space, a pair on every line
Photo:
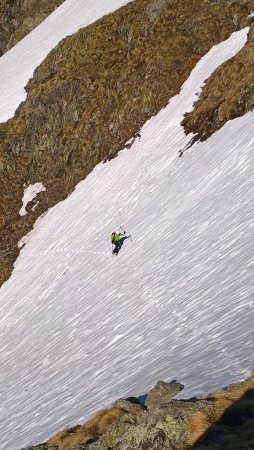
80, 328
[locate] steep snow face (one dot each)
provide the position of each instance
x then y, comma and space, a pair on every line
79, 328
17, 65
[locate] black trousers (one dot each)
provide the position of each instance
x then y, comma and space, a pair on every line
117, 245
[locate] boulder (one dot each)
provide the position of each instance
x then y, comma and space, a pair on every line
162, 393
129, 406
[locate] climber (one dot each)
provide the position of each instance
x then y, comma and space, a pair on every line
117, 240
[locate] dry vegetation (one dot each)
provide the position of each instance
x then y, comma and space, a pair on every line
19, 18
89, 431
228, 93
93, 93
231, 415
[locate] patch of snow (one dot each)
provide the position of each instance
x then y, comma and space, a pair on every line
29, 194
79, 328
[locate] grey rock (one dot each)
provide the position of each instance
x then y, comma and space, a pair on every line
142, 437
154, 8
251, 33
162, 393
129, 407
80, 447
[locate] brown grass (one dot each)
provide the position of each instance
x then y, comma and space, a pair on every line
235, 399
19, 18
197, 425
90, 430
227, 94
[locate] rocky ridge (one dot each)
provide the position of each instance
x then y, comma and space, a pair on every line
227, 94
93, 93
18, 18
223, 421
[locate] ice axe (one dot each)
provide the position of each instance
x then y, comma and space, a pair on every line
125, 233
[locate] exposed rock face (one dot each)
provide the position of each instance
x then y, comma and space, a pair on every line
93, 93
165, 427
162, 393
227, 94
129, 407
18, 18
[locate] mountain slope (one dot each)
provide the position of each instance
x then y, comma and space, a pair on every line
83, 327
18, 65
93, 92
19, 18
227, 94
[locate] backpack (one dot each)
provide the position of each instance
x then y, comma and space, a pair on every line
113, 237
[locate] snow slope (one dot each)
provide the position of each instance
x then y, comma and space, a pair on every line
18, 64
80, 328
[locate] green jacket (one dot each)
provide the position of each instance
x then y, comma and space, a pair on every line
116, 237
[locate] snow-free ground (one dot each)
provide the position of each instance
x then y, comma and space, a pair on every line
80, 328
18, 64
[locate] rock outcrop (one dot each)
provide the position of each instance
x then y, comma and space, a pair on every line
162, 393
222, 421
162, 424
227, 94
18, 18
